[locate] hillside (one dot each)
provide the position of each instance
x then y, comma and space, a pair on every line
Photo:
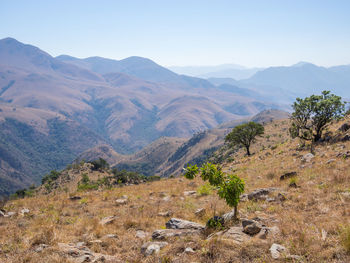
306, 216
167, 156
126, 104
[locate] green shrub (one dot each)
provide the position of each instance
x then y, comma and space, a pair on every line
230, 186
205, 189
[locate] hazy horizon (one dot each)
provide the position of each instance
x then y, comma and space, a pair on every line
186, 33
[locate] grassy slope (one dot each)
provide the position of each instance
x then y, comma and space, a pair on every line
319, 203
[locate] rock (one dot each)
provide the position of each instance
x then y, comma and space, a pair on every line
150, 248
187, 193
175, 223
266, 231
323, 235
277, 250
200, 212
2, 214
189, 250
80, 253
308, 157
111, 236
166, 198
293, 185
233, 234
140, 234
73, 198
10, 214
246, 222
261, 193
330, 161
108, 220
121, 201
228, 217
24, 211
288, 175
165, 214
40, 248
345, 127
281, 197
163, 234
251, 227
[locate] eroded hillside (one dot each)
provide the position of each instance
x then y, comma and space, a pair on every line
296, 206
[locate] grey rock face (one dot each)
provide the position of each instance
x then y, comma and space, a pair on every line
176, 223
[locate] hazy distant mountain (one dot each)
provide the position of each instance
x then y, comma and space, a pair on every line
221, 71
304, 79
53, 109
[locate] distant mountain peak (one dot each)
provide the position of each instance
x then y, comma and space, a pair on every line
302, 63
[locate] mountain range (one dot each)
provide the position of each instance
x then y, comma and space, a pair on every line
53, 109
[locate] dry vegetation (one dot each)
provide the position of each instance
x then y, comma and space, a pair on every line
314, 219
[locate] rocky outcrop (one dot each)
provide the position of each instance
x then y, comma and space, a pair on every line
163, 234
80, 253
175, 223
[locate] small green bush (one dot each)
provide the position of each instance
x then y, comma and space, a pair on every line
205, 189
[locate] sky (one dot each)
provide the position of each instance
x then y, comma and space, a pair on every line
253, 33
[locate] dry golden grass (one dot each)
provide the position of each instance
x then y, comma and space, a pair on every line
317, 205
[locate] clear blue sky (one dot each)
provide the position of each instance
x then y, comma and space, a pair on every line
176, 32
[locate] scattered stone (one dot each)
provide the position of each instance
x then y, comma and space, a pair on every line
251, 227
246, 222
10, 214
233, 234
260, 194
163, 234
308, 157
40, 248
151, 248
111, 236
323, 235
200, 212
140, 234
277, 250
189, 250
188, 193
73, 198
345, 127
121, 201
175, 223
81, 253
330, 161
24, 211
166, 198
293, 185
288, 175
165, 214
108, 220
281, 197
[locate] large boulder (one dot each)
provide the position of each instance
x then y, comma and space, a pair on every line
259, 194
233, 234
176, 223
163, 234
